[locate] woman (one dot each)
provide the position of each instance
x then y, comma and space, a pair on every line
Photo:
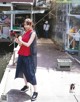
27, 60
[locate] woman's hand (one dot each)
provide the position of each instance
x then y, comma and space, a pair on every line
17, 41
20, 38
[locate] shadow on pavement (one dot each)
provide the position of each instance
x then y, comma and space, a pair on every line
17, 96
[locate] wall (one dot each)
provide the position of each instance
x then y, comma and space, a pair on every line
59, 24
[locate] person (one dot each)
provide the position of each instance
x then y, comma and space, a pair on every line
27, 60
72, 31
0, 30
46, 27
12, 33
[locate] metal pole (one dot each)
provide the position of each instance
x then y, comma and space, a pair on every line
12, 29
11, 17
32, 12
13, 54
67, 23
79, 49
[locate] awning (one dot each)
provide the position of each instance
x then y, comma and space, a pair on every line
23, 11
73, 15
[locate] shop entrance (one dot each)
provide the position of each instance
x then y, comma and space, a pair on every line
40, 20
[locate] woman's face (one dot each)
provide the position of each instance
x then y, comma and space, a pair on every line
26, 26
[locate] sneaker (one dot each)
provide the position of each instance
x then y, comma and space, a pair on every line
24, 89
73, 48
34, 96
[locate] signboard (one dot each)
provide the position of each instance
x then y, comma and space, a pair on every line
23, 11
67, 1
40, 2
63, 1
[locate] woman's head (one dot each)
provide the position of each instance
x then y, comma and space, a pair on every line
28, 24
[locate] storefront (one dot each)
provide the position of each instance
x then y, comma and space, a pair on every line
10, 18
4, 21
13, 14
73, 29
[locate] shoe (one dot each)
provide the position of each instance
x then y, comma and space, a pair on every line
24, 89
73, 48
34, 96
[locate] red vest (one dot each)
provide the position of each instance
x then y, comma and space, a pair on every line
25, 51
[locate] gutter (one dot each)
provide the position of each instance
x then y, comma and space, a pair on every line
73, 57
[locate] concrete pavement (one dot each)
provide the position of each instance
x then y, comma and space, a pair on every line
53, 85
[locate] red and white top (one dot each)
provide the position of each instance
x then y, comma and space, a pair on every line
24, 50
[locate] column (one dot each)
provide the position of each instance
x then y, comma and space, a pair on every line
11, 17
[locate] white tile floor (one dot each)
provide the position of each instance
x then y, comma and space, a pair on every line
52, 85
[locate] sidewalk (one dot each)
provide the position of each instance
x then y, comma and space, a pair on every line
53, 85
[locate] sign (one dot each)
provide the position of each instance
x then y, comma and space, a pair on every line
63, 1
67, 1
23, 11
40, 2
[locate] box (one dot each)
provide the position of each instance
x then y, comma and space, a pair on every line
64, 64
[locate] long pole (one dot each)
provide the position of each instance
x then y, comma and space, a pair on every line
11, 17
79, 48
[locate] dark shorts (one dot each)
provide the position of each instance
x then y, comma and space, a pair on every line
27, 65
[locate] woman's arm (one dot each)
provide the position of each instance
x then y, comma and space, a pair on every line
32, 37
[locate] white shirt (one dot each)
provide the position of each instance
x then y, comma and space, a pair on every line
46, 26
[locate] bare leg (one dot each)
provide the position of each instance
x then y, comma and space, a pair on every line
35, 88
74, 43
35, 93
25, 88
25, 79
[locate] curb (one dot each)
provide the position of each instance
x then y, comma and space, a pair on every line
73, 57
